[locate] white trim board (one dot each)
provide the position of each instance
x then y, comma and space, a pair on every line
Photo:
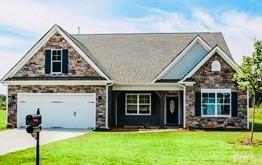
58, 82
184, 106
196, 40
148, 87
41, 42
217, 50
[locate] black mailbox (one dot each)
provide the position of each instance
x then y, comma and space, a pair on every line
33, 120
32, 129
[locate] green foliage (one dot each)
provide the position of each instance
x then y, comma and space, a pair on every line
2, 102
2, 97
2, 105
249, 76
2, 120
258, 114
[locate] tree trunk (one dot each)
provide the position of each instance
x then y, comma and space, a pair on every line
253, 115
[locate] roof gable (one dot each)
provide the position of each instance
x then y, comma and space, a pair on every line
78, 67
55, 29
221, 53
185, 61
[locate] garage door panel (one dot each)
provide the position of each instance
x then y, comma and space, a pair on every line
66, 111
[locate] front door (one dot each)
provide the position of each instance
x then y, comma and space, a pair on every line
172, 109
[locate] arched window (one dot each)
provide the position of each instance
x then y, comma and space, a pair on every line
216, 66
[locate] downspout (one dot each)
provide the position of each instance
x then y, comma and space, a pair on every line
184, 105
107, 86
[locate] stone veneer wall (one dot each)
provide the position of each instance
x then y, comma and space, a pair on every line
99, 90
205, 78
77, 66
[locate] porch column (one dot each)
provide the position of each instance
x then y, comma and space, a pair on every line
161, 95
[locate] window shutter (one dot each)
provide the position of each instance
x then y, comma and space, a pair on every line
198, 104
65, 61
234, 103
47, 61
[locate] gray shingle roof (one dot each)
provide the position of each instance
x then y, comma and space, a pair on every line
139, 58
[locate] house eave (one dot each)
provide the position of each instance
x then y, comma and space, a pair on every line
148, 87
57, 82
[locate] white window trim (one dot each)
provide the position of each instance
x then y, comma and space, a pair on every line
215, 66
215, 91
52, 62
138, 104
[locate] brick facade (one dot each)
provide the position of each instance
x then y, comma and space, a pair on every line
205, 78
78, 67
99, 90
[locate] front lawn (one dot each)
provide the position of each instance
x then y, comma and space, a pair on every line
181, 147
2, 120
177, 147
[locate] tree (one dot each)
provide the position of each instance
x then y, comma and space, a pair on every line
249, 77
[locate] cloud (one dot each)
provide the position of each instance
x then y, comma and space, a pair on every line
36, 16
239, 29
7, 41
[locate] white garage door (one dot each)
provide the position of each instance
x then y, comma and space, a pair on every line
58, 110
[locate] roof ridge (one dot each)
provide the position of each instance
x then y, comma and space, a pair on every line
147, 33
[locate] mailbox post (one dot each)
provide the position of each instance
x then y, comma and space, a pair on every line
34, 128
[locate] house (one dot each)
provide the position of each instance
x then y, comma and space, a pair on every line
115, 80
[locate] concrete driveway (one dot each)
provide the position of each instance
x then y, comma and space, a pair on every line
17, 139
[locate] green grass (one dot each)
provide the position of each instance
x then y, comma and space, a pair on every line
2, 120
179, 147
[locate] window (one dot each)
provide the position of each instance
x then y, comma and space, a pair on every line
215, 66
138, 104
56, 61
216, 102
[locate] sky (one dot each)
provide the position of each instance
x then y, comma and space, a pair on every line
23, 23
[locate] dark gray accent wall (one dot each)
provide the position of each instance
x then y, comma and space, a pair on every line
135, 120
110, 107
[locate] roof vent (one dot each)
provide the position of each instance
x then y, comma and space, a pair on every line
78, 29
